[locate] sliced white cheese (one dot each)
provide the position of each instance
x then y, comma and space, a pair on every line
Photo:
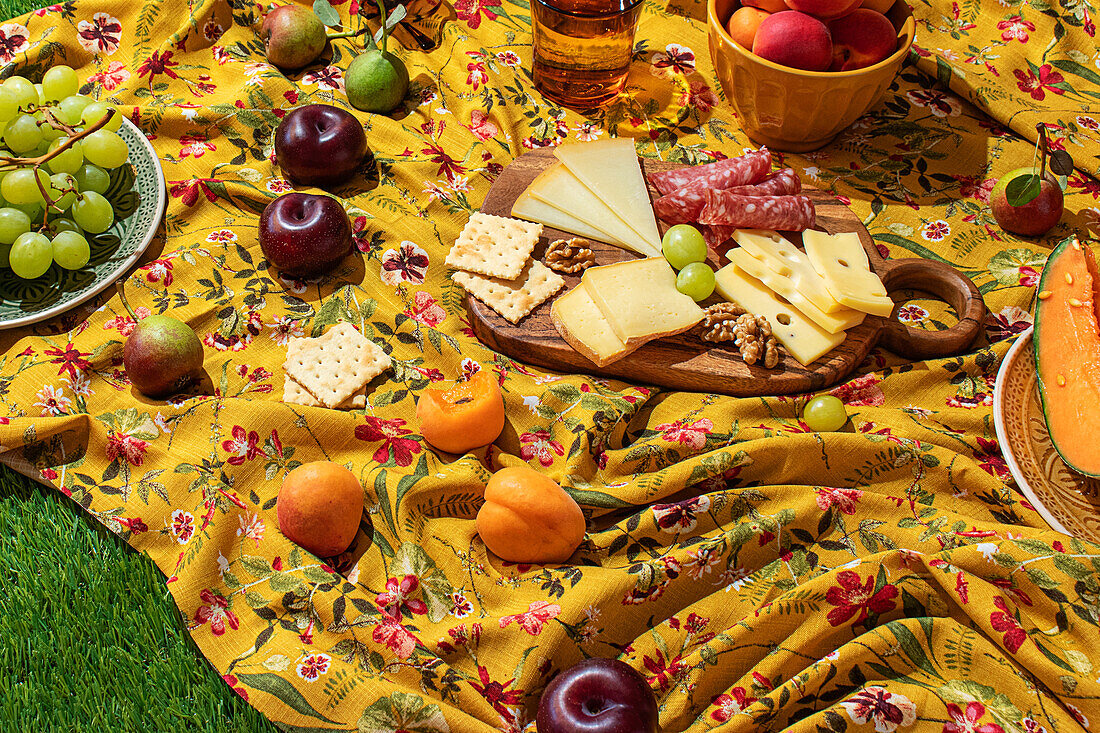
804, 339
558, 187
842, 261
530, 208
836, 322
789, 261
640, 300
610, 168
582, 324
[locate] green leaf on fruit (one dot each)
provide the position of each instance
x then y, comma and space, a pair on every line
1061, 163
1022, 190
326, 13
395, 17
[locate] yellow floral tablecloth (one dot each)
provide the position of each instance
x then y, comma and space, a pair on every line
761, 576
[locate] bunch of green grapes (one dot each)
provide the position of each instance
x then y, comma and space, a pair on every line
54, 170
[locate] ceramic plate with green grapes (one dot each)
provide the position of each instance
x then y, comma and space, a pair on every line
136, 193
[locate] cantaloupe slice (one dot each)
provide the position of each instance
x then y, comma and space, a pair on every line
1067, 355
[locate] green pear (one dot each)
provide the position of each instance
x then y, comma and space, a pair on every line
293, 36
376, 81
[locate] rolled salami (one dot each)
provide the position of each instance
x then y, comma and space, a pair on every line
782, 213
739, 171
780, 183
684, 205
715, 234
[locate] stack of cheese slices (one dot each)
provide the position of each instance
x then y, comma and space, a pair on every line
810, 298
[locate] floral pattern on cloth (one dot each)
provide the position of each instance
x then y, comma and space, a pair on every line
758, 575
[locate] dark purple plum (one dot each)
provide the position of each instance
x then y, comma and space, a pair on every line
320, 145
305, 234
597, 696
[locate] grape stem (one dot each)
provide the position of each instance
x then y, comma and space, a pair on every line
9, 164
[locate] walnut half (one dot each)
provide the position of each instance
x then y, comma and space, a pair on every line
751, 334
569, 255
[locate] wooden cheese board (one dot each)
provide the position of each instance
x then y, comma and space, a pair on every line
686, 362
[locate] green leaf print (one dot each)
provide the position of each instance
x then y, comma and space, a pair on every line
402, 711
281, 688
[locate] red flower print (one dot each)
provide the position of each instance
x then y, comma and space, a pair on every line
244, 446
313, 666
188, 191
1029, 276
1016, 28
661, 674
159, 271
329, 79
1036, 85
216, 612
1005, 622
470, 11
182, 526
693, 435
888, 710
988, 455
533, 619
861, 392
938, 103
111, 78
843, 499
971, 187
731, 703
1086, 184
680, 517
232, 681
408, 263
480, 125
135, 525
13, 41
448, 166
102, 35
395, 601
478, 75
158, 63
195, 145
676, 58
127, 447
391, 433
425, 310
495, 693
699, 96
967, 721
395, 636
539, 445
855, 598
71, 360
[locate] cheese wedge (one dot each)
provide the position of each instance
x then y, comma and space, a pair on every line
836, 322
559, 188
789, 261
611, 170
842, 261
530, 208
582, 324
804, 339
640, 300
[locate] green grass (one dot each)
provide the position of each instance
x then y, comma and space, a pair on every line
90, 639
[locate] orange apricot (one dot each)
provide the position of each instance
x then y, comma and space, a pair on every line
528, 518
467, 416
319, 508
743, 24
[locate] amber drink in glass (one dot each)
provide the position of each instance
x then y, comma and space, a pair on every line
582, 49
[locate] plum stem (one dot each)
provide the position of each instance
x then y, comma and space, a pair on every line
348, 34
1041, 128
382, 17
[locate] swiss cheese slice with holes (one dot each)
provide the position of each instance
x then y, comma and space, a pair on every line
583, 325
790, 262
841, 320
610, 169
842, 261
640, 300
530, 208
805, 340
558, 187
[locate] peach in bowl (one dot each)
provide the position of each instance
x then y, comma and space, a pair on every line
798, 72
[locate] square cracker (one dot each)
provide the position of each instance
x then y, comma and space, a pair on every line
513, 299
494, 245
296, 394
335, 365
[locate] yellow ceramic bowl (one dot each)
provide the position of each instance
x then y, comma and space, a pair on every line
794, 110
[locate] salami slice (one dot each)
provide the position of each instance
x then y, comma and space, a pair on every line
715, 234
739, 171
780, 183
782, 213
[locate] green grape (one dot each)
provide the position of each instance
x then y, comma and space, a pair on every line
71, 250
19, 187
92, 178
31, 255
682, 245
696, 281
33, 211
13, 223
50, 133
60, 82
22, 134
69, 109
41, 94
95, 111
40, 149
105, 149
61, 224
824, 414
25, 93
92, 212
9, 105
60, 182
5, 249
68, 161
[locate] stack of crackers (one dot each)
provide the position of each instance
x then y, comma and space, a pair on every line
494, 263
332, 370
